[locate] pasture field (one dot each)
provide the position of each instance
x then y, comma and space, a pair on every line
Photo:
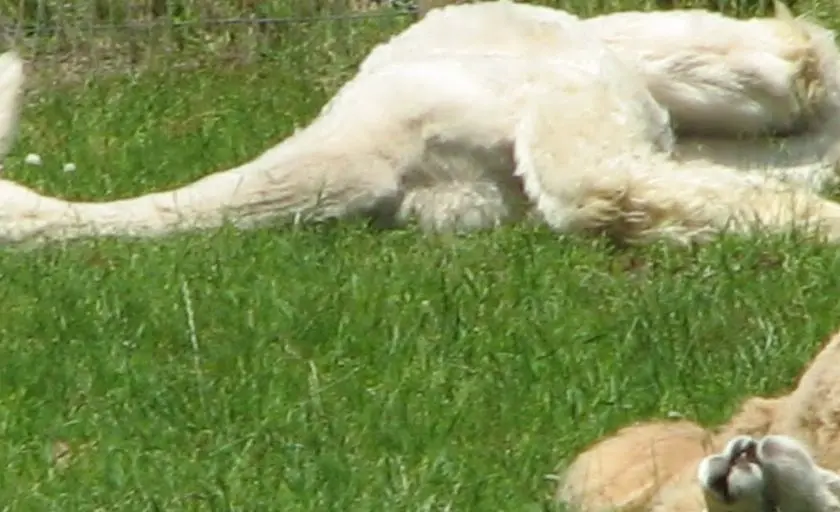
334, 368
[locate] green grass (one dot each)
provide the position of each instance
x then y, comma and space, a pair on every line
336, 368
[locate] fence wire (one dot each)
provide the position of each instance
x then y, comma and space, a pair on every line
99, 35
44, 18
95, 35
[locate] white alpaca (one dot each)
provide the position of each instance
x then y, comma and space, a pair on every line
773, 474
494, 112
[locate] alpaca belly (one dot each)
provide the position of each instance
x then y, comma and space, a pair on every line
461, 187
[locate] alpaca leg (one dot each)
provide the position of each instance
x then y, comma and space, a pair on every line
11, 87
734, 81
810, 161
306, 184
587, 167
349, 162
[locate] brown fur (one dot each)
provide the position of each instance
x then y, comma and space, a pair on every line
622, 473
812, 413
754, 418
653, 452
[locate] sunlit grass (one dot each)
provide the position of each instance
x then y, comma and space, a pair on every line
336, 368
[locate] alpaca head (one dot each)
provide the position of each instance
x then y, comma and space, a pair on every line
773, 474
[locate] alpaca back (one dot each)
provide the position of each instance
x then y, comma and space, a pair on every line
490, 28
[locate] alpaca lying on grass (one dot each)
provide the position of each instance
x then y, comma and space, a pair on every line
775, 455
497, 112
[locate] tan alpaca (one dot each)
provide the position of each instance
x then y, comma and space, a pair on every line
494, 112
628, 469
795, 460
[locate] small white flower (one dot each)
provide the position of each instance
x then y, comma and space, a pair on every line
33, 159
69, 167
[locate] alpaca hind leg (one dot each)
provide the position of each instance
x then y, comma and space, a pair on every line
808, 161
296, 186
297, 182
587, 165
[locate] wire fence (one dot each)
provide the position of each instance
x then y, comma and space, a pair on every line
76, 38
80, 37
45, 17
25, 19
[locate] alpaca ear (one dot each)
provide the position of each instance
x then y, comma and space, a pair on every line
737, 445
713, 473
11, 89
782, 12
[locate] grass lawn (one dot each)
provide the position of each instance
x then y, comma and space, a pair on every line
335, 368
